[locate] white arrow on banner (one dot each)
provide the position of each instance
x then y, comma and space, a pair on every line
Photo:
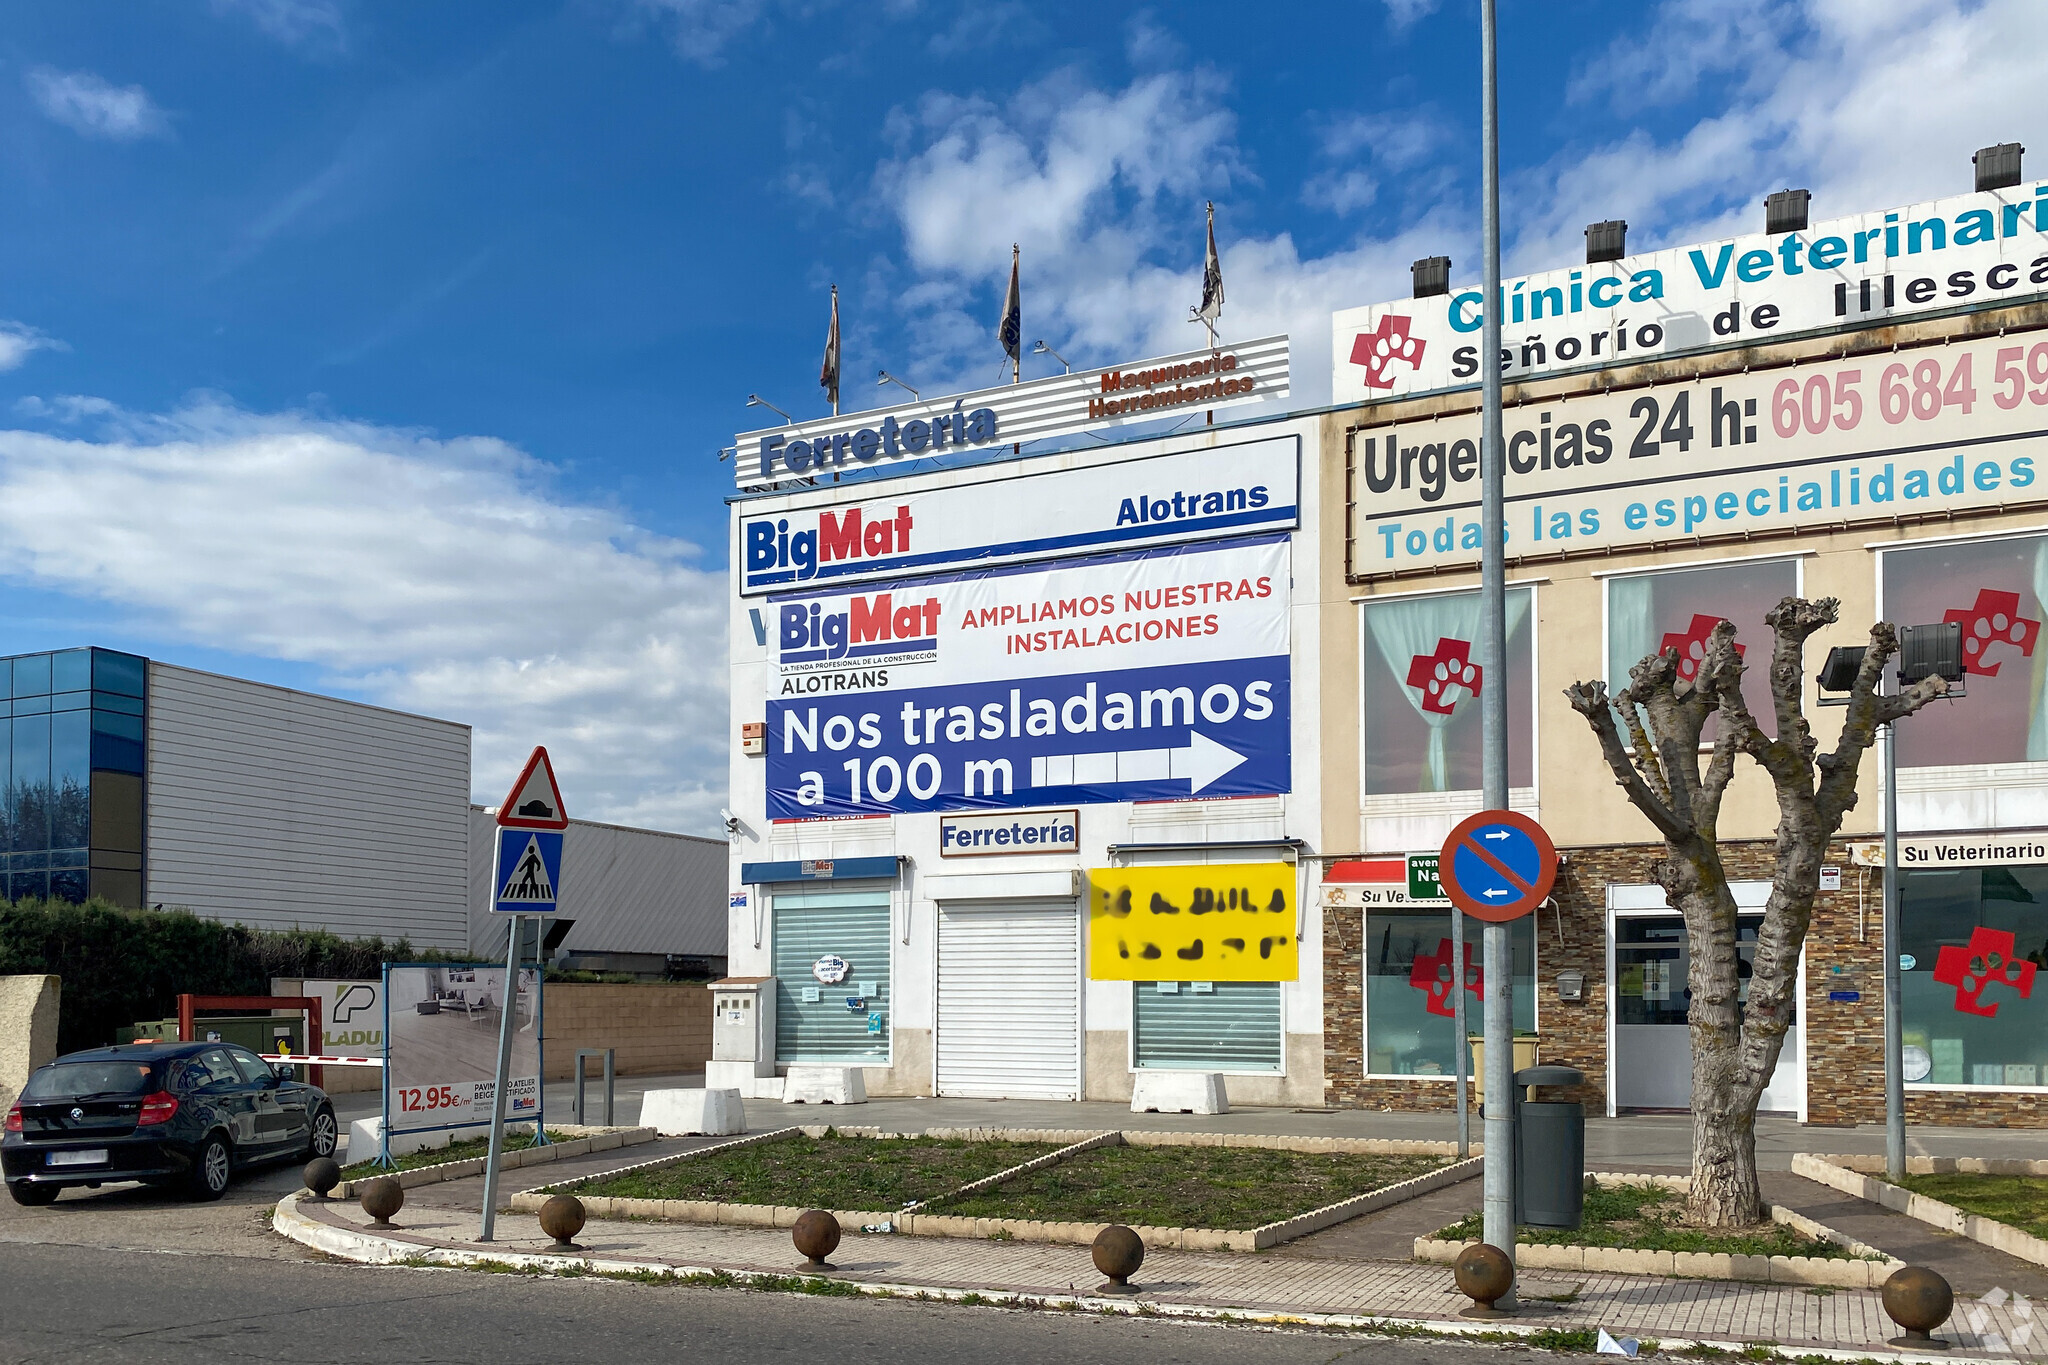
1202, 762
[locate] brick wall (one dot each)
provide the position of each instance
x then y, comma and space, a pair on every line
657, 1029
1844, 1040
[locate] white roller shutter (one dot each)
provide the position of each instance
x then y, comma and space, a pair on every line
1010, 1000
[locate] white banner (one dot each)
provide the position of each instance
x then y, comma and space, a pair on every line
1193, 495
441, 1056
351, 1014
2004, 849
1973, 250
1868, 438
1116, 395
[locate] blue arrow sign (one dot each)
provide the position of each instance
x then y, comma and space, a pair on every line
527, 877
1498, 865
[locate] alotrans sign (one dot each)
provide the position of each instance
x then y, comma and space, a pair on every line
1920, 432
1970, 251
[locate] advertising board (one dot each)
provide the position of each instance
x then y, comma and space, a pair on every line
1155, 674
351, 1014
1220, 922
441, 1045
1116, 395
1832, 442
1868, 270
1197, 494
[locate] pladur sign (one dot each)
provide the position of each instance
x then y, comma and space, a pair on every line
1196, 494
1157, 674
1116, 395
1867, 270
1870, 438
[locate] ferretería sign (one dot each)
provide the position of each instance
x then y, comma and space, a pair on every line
1901, 433
1971, 250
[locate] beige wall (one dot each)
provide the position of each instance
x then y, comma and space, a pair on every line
658, 1028
28, 1029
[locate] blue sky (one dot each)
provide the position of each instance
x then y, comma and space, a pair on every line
385, 349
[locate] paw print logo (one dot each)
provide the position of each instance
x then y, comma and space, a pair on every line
1432, 974
1987, 958
1377, 350
1993, 619
1446, 677
1691, 645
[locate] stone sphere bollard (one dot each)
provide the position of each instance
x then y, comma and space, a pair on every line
322, 1175
562, 1218
1118, 1252
816, 1235
1918, 1300
381, 1198
1483, 1274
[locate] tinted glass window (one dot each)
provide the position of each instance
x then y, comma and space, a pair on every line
253, 1068
1420, 689
211, 1067
70, 670
121, 673
32, 675
73, 1080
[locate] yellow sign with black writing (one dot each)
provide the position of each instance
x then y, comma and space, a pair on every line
1230, 922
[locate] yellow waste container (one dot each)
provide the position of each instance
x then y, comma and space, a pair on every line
1525, 1055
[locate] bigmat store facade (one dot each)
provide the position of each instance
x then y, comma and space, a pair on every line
1859, 411
1020, 809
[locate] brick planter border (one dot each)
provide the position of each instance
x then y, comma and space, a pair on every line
1856, 1175
591, 1140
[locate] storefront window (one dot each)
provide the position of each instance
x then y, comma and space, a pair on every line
1206, 1025
1995, 589
1650, 613
1975, 1009
844, 1021
1410, 1024
1421, 677
1653, 966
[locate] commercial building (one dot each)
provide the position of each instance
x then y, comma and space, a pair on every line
1856, 411
148, 784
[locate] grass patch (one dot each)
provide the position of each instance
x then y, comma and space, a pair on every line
2018, 1201
466, 1150
1654, 1220
1195, 1187
830, 1172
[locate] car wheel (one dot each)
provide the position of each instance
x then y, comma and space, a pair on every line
34, 1196
212, 1168
325, 1135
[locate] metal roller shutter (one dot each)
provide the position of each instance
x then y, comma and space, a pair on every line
855, 926
1010, 1000
1229, 1026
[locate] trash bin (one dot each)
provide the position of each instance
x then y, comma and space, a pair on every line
1550, 1151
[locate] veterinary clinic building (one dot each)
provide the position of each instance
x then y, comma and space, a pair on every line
1856, 410
1018, 808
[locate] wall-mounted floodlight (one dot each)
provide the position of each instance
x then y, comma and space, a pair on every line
1040, 348
1432, 276
755, 400
1606, 241
1787, 211
887, 378
1998, 168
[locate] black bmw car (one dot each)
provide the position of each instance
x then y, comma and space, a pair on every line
182, 1114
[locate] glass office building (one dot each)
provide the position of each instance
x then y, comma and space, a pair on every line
72, 767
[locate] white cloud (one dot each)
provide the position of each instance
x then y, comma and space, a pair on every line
439, 576
91, 106
1340, 191
18, 341
309, 23
700, 29
1402, 13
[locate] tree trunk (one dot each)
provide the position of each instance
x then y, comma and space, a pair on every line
1725, 1192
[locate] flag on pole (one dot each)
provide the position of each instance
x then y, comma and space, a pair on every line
828, 373
1011, 329
1212, 284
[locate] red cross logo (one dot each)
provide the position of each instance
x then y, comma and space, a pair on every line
1440, 676
1432, 976
1377, 350
1993, 619
1988, 958
1692, 645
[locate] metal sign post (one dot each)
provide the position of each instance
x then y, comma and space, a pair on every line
508, 1002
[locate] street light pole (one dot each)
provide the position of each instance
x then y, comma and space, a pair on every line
1894, 1067
1498, 1223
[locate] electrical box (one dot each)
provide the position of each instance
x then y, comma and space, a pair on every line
743, 1022
754, 737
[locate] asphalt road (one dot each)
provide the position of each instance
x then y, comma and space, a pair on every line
128, 1274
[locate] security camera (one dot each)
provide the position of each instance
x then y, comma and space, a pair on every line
732, 822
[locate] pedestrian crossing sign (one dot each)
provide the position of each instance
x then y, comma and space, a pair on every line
527, 876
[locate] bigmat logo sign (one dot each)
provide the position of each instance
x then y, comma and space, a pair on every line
1972, 250
1868, 438
1156, 674
1197, 494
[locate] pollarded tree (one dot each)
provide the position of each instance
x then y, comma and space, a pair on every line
1735, 1045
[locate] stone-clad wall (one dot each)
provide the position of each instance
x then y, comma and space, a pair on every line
1845, 1040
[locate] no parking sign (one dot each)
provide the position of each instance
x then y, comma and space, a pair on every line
1497, 865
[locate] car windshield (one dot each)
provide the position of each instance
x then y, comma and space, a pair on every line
76, 1080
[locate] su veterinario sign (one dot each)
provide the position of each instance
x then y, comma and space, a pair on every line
1867, 438
1159, 499
441, 1045
1972, 250
1155, 674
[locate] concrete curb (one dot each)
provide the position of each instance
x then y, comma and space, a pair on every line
371, 1249
1839, 1173
597, 1140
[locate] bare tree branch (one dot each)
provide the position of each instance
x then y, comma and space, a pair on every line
1590, 700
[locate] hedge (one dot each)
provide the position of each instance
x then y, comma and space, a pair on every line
120, 966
